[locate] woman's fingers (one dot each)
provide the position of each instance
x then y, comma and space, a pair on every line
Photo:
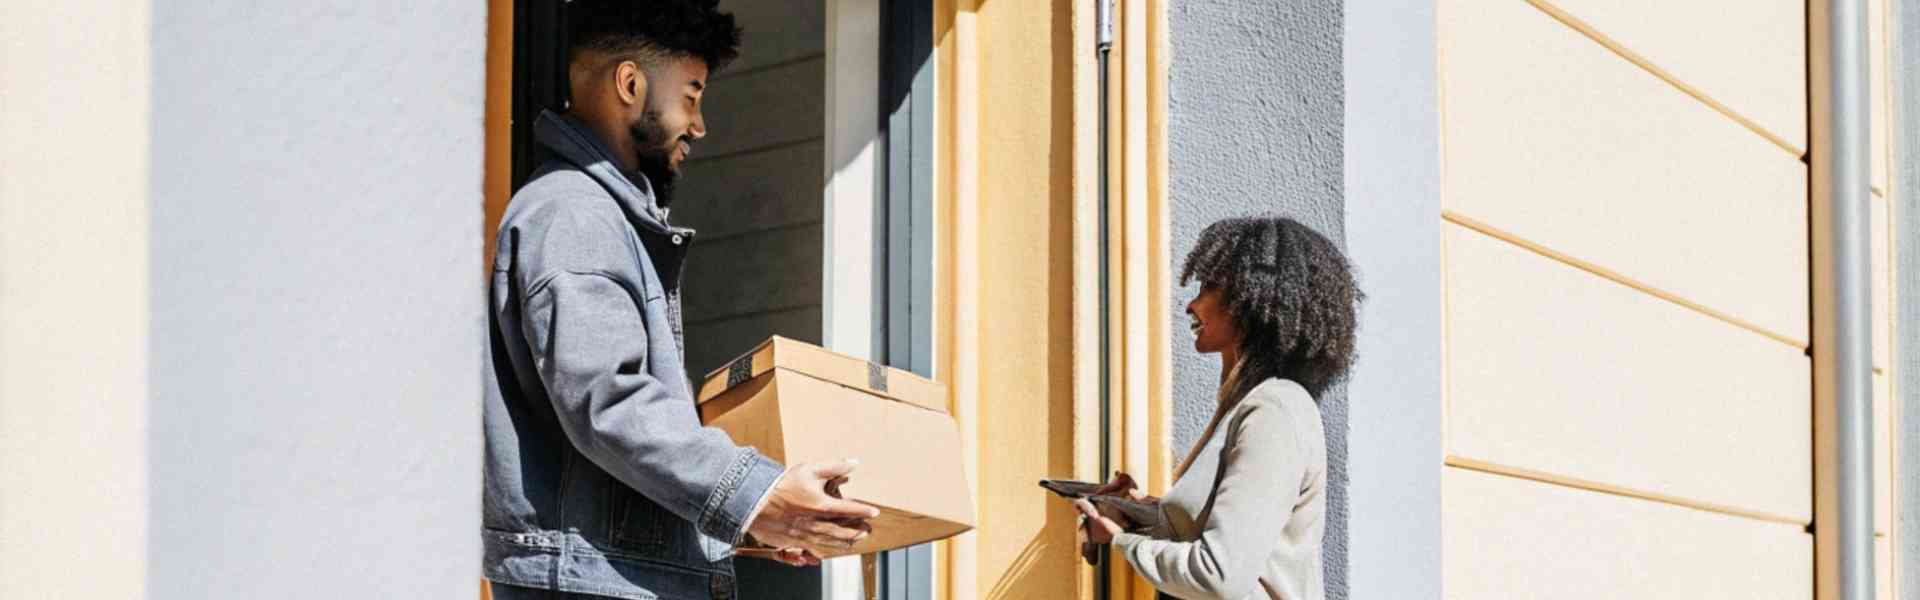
1121, 483
1086, 508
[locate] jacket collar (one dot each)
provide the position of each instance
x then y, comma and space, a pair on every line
574, 142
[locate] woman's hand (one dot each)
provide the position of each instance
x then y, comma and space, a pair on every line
1100, 529
1123, 485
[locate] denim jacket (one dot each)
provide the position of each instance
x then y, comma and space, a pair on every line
599, 477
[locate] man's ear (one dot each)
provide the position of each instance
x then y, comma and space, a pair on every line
630, 82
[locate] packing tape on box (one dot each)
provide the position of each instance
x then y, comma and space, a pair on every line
740, 371
876, 377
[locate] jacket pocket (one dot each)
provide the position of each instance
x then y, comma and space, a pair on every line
642, 527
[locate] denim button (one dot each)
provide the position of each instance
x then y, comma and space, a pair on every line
676, 239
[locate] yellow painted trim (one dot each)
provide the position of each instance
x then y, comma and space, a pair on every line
957, 141
1616, 277
1141, 56
1642, 62
1086, 265
498, 169
497, 174
1160, 250
1607, 488
1138, 265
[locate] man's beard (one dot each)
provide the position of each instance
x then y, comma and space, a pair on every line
655, 148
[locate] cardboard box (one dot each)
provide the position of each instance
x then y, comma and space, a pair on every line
800, 403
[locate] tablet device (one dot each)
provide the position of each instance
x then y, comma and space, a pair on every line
1069, 489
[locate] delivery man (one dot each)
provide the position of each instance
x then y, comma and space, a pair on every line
600, 479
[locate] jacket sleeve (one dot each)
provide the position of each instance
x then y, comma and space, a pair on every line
589, 344
1258, 484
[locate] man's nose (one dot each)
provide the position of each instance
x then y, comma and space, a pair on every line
698, 129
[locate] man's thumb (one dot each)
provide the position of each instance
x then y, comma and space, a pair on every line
836, 469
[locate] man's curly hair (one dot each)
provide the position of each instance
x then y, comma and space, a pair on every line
650, 30
1291, 295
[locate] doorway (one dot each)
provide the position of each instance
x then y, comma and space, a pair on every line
812, 196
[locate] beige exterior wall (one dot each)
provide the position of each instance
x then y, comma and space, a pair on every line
1626, 290
74, 137
1509, 537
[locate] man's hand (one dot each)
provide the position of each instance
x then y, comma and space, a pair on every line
792, 557
805, 511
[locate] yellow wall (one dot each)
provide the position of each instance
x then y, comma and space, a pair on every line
1007, 188
1626, 290
1019, 233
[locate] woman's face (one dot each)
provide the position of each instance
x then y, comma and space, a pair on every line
1212, 325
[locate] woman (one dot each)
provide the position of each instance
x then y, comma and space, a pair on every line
1246, 512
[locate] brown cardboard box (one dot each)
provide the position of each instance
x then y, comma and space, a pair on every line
800, 403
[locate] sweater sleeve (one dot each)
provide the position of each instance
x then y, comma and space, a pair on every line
1262, 466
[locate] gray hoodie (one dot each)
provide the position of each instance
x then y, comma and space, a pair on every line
599, 477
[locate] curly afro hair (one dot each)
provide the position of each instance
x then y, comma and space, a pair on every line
653, 29
1291, 295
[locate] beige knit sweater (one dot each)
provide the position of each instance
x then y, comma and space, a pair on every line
1246, 518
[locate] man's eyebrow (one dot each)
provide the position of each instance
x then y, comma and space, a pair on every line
697, 85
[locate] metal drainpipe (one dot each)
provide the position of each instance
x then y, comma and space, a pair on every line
1842, 330
1103, 26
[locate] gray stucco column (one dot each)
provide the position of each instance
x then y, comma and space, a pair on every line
1255, 128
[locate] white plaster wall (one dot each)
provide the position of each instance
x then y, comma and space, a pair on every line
316, 299
73, 312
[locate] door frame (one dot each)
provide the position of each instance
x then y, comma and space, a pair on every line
880, 264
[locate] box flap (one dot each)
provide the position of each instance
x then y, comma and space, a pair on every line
807, 359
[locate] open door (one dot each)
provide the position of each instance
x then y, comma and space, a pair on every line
812, 194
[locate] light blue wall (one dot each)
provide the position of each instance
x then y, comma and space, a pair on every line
1255, 127
1905, 84
1393, 238
317, 324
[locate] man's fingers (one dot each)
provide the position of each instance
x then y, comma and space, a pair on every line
843, 533
838, 509
837, 469
798, 557
778, 540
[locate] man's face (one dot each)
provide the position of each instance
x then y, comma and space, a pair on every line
669, 121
